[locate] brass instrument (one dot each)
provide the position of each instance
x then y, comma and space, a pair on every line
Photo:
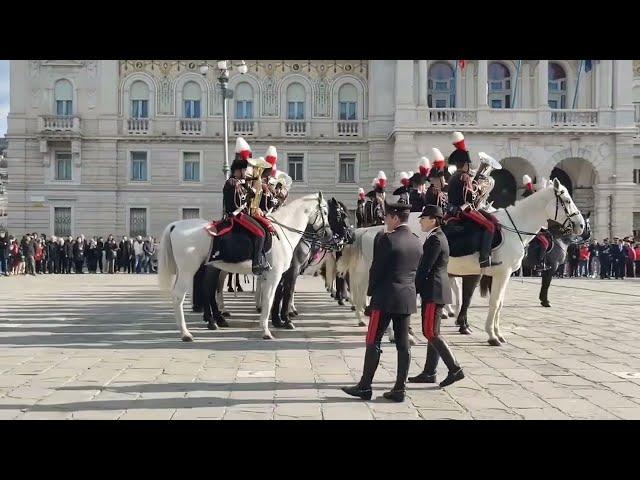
482, 181
258, 166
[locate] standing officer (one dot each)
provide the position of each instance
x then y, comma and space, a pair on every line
432, 283
396, 254
605, 260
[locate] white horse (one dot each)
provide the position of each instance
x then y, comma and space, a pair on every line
520, 224
185, 246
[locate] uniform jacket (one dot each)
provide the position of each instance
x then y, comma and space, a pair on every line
456, 190
432, 279
392, 276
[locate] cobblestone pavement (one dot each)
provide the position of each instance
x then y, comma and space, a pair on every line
106, 347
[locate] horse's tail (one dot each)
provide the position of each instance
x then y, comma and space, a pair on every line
485, 285
167, 267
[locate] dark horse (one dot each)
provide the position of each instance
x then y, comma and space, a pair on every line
556, 255
305, 253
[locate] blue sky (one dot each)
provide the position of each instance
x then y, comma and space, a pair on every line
4, 95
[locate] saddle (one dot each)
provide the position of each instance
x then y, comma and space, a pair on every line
232, 243
464, 236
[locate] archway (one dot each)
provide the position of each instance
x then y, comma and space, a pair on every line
564, 179
504, 190
579, 176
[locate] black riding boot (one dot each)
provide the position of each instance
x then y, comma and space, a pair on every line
260, 263
538, 258
485, 250
363, 388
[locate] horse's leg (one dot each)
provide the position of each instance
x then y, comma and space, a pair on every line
547, 275
290, 279
499, 310
498, 287
276, 319
219, 292
258, 294
212, 314
293, 311
270, 283
177, 296
469, 285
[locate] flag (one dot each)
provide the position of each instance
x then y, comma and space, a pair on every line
462, 63
588, 65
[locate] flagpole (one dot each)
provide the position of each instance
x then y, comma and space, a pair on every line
575, 95
515, 87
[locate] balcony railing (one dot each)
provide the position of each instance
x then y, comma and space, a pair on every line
295, 128
245, 128
512, 117
574, 118
452, 116
190, 126
348, 128
59, 123
138, 126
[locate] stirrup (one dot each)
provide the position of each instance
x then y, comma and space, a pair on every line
489, 263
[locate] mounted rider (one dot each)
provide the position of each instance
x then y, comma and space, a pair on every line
543, 240
418, 185
241, 202
461, 199
403, 192
360, 208
436, 194
374, 210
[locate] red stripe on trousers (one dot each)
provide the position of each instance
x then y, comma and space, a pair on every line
478, 218
429, 321
373, 327
249, 225
264, 222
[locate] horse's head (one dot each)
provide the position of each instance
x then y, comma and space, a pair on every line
319, 219
562, 209
339, 221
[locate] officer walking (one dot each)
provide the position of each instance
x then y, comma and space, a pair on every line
396, 255
432, 283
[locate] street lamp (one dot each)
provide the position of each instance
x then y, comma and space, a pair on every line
223, 80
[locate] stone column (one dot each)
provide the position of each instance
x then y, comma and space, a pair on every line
405, 107
542, 95
423, 78
482, 84
622, 98
604, 93
525, 81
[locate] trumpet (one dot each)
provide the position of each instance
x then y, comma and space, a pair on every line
482, 181
258, 166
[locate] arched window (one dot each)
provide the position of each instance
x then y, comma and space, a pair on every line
64, 97
348, 101
441, 86
244, 101
557, 86
499, 86
191, 98
139, 100
295, 101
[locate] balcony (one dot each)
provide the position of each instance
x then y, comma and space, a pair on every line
59, 124
294, 128
348, 128
575, 118
190, 126
453, 117
245, 128
137, 126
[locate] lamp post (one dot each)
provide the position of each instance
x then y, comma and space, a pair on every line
223, 79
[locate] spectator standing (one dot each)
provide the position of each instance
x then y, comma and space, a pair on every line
149, 248
101, 254
584, 260
68, 251
132, 257
29, 251
636, 250
78, 254
631, 257
573, 257
111, 252
619, 259
594, 259
605, 259
5, 247
39, 256
92, 255
17, 260
123, 253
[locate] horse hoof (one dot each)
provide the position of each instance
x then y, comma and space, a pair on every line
341, 302
443, 316
259, 309
464, 330
412, 340
222, 323
289, 326
226, 314
494, 342
362, 323
277, 323
501, 338
333, 296
451, 315
294, 313
211, 325
545, 304
267, 336
187, 338
353, 308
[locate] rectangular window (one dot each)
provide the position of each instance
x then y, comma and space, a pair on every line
138, 222
347, 110
295, 165
295, 111
553, 86
496, 103
553, 104
440, 103
507, 101
139, 168
347, 169
244, 109
191, 167
64, 107
63, 166
139, 108
496, 86
636, 175
429, 101
192, 109
507, 85
442, 85
62, 221
188, 213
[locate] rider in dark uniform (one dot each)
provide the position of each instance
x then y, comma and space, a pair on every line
418, 181
360, 208
236, 197
541, 242
460, 199
404, 191
374, 202
435, 193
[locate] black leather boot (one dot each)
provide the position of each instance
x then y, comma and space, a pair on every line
485, 250
363, 388
428, 375
452, 377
